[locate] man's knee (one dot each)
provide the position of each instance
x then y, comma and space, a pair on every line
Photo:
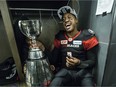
87, 82
58, 81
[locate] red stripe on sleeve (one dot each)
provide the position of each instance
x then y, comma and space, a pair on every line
88, 44
56, 43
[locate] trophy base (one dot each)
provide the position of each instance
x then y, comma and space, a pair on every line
38, 73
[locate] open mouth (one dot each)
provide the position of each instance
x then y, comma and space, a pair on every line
67, 26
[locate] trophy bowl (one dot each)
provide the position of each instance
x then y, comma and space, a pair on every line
30, 28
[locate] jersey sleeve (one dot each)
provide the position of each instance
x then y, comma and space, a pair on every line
58, 38
90, 43
56, 43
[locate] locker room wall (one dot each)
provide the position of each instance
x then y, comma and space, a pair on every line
5, 51
110, 69
102, 27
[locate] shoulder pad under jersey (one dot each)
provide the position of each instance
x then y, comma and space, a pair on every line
88, 33
91, 31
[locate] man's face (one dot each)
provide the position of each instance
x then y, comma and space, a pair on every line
69, 22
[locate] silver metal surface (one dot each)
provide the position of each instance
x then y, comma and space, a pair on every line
35, 9
38, 72
30, 28
35, 54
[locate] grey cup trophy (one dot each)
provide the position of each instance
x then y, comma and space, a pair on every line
38, 72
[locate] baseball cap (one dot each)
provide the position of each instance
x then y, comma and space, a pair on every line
66, 9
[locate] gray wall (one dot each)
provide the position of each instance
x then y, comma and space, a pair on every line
84, 13
5, 51
102, 27
51, 25
110, 70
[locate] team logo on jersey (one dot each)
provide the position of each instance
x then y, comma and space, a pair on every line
70, 39
64, 41
77, 42
72, 45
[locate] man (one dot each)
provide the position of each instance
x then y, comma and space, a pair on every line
73, 55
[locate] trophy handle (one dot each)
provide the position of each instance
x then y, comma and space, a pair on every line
19, 23
41, 28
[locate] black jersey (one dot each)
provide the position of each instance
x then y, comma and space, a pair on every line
76, 46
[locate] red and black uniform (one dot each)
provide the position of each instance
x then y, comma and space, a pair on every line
78, 46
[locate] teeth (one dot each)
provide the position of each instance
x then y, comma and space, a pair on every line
67, 26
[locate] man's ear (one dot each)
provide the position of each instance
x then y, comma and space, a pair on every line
76, 20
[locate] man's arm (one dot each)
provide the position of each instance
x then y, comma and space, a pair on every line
89, 63
91, 56
55, 57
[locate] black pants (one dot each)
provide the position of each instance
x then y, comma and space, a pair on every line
72, 78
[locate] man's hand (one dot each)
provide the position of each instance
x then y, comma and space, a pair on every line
38, 44
72, 61
52, 67
24, 69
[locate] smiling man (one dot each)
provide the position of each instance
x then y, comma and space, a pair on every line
73, 55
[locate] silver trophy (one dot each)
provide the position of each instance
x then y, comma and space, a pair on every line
38, 72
